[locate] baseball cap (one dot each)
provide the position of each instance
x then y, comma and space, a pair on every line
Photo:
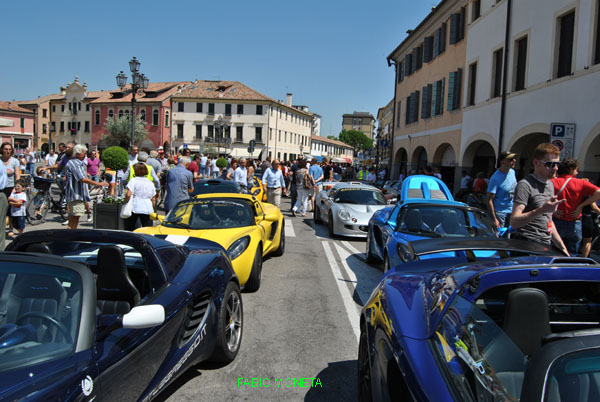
507, 155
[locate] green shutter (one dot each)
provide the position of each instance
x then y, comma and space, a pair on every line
427, 49
454, 21
443, 86
436, 90
451, 89
423, 103
417, 105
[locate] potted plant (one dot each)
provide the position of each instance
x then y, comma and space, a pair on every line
107, 213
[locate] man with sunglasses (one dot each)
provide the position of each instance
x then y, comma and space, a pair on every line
534, 201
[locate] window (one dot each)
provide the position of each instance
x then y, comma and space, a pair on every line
87, 107
239, 135
44, 112
44, 128
565, 44
198, 107
62, 125
400, 72
180, 106
62, 108
53, 108
398, 110
127, 113
211, 108
143, 115
22, 122
476, 10
211, 131
70, 106
180, 131
472, 83
258, 134
79, 105
520, 63
412, 108
96, 120
259, 109
120, 114
428, 49
69, 126
87, 127
198, 131
454, 85
439, 41
597, 51
408, 64
155, 117
497, 63
227, 131
438, 97
457, 26
426, 101
228, 109
240, 109
166, 118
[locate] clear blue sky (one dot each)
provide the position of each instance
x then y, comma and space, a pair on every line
330, 54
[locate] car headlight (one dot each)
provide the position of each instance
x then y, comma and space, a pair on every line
238, 247
344, 215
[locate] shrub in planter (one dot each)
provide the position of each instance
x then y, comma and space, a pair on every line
115, 158
221, 163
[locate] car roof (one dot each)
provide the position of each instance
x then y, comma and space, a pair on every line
353, 184
249, 197
423, 187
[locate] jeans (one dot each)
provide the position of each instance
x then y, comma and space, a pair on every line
202, 170
504, 219
302, 202
570, 232
294, 191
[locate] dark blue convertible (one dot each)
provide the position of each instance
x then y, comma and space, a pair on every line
523, 325
113, 316
426, 210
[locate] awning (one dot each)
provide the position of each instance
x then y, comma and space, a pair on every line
339, 160
318, 158
348, 160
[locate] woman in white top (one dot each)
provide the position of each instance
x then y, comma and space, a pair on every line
144, 196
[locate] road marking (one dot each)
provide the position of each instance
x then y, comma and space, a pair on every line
349, 304
351, 248
289, 228
364, 277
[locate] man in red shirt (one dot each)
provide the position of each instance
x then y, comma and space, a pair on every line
567, 217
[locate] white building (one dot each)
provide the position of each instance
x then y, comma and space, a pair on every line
225, 116
333, 150
553, 76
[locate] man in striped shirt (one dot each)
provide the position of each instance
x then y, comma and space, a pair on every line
76, 186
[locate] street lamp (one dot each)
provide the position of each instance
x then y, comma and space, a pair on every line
219, 134
139, 82
301, 148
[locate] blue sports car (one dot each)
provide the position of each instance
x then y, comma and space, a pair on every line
426, 210
522, 326
113, 316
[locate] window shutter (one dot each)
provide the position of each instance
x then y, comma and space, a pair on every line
436, 43
400, 71
414, 59
398, 111
427, 49
436, 90
454, 20
407, 65
419, 57
443, 38
451, 88
429, 93
423, 105
407, 111
416, 106
457, 88
461, 24
442, 95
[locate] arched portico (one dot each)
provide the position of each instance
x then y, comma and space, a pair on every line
444, 158
524, 148
479, 156
400, 162
418, 159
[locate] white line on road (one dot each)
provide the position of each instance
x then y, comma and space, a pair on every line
351, 248
289, 228
362, 275
351, 310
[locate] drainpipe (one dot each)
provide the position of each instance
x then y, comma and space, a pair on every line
504, 77
392, 170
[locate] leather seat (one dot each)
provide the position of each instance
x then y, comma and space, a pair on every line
526, 318
38, 248
113, 285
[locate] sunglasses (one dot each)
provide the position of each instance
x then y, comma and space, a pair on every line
550, 164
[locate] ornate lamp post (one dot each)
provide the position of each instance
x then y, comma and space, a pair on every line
139, 82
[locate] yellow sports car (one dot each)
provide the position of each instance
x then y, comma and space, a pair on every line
257, 189
247, 228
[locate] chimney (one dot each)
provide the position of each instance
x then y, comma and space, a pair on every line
288, 99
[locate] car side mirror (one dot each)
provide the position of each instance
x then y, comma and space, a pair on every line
256, 192
271, 217
144, 317
392, 224
156, 217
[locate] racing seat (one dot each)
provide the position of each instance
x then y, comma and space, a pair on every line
414, 221
38, 248
115, 292
203, 216
37, 294
526, 318
449, 224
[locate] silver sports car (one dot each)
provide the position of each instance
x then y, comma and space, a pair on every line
347, 208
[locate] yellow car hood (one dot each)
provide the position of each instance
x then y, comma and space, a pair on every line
225, 237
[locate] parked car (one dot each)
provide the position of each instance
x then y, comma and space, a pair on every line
211, 186
111, 315
347, 208
247, 228
522, 326
426, 211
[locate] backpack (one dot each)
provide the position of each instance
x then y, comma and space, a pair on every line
307, 181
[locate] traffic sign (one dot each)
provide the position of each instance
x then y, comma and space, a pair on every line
563, 136
384, 143
252, 144
250, 150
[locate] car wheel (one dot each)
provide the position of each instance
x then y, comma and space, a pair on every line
317, 214
386, 263
330, 226
230, 325
253, 283
370, 257
281, 249
364, 369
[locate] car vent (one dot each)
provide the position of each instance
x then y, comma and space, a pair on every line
573, 260
273, 230
196, 311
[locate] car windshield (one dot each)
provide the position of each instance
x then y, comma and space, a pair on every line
360, 196
211, 214
214, 186
478, 355
445, 221
41, 312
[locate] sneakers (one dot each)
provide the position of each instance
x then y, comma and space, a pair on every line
90, 218
65, 223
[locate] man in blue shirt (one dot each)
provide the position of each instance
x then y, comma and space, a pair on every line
500, 190
316, 172
3, 203
274, 184
180, 183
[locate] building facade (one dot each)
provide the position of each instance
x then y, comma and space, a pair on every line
547, 73
383, 140
226, 116
41, 125
17, 125
333, 150
359, 121
153, 106
429, 66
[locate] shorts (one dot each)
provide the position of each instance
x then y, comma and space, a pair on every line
18, 222
587, 226
76, 208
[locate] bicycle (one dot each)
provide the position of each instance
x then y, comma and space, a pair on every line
43, 201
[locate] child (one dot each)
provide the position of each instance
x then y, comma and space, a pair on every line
17, 201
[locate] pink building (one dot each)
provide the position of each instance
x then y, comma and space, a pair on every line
16, 125
154, 106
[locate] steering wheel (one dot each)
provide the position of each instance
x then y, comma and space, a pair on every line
38, 314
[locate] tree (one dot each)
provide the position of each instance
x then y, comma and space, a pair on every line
331, 137
119, 130
357, 140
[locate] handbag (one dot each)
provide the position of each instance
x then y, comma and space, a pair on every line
127, 209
